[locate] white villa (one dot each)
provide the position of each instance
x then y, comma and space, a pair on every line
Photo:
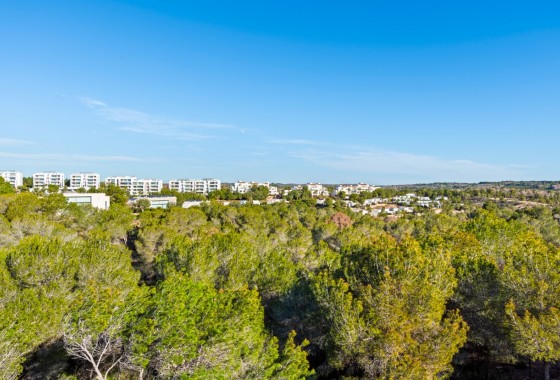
317, 190
96, 200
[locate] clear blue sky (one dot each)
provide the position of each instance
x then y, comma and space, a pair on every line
383, 92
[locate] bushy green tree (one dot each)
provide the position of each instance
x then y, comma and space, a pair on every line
388, 319
531, 278
5, 187
22, 205
194, 331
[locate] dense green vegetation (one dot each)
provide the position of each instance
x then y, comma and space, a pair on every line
284, 291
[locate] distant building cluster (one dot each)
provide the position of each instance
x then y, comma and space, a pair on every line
139, 188
88, 180
316, 189
354, 189
150, 190
143, 187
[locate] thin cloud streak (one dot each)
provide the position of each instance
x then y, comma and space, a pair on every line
78, 157
298, 142
134, 121
431, 168
14, 142
92, 103
379, 162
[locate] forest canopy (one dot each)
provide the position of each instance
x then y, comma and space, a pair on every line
285, 291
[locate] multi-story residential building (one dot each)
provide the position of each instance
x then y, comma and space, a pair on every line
121, 181
182, 185
44, 179
213, 184
146, 186
354, 189
200, 186
85, 180
13, 177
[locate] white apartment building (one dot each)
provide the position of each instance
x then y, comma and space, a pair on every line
243, 187
200, 186
13, 177
44, 179
146, 186
121, 181
85, 180
354, 189
213, 184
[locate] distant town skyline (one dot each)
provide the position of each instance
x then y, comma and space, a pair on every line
287, 92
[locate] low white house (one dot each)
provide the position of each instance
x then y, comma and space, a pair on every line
374, 201
189, 204
156, 202
274, 200
96, 200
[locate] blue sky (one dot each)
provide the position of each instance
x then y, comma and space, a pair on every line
383, 92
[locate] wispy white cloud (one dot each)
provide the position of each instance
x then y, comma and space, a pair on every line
77, 157
92, 103
135, 121
407, 165
298, 142
14, 142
